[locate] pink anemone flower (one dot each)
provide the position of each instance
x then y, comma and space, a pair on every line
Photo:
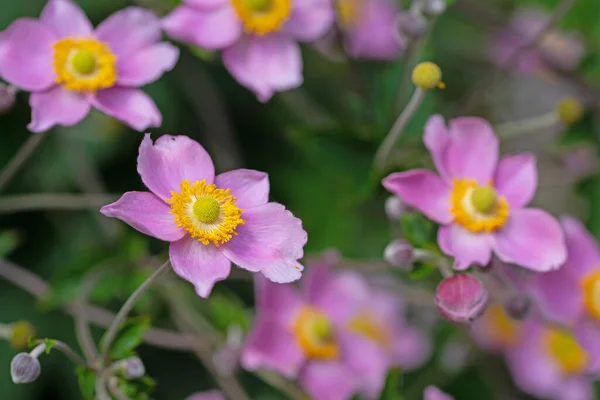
69, 67
479, 200
211, 221
258, 37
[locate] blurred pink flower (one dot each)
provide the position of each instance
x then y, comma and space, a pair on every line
461, 298
336, 334
210, 221
258, 37
550, 362
495, 330
562, 50
211, 395
433, 393
479, 200
69, 67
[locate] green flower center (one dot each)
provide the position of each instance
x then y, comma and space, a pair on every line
84, 62
321, 328
259, 5
483, 199
206, 210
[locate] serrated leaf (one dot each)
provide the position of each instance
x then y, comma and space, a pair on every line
129, 337
87, 382
32, 342
49, 344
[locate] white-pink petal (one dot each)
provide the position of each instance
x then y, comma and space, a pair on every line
250, 187
129, 105
516, 179
66, 18
56, 106
310, 19
146, 65
466, 247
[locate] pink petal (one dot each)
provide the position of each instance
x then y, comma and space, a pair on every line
215, 28
433, 393
582, 248
558, 295
516, 179
279, 302
328, 381
56, 106
270, 241
147, 65
66, 18
344, 295
473, 150
318, 275
26, 54
437, 140
411, 347
210, 395
273, 346
532, 239
172, 159
202, 265
206, 4
577, 388
266, 64
310, 19
366, 359
129, 30
423, 190
466, 247
587, 332
250, 187
131, 106
146, 213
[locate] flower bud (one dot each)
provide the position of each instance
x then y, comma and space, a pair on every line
132, 368
399, 253
21, 332
394, 208
7, 97
569, 110
461, 298
412, 25
518, 307
433, 8
24, 368
433, 393
427, 75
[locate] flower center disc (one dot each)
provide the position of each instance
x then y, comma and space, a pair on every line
259, 5
314, 332
206, 209
366, 325
502, 329
348, 12
476, 207
483, 199
261, 17
565, 351
591, 293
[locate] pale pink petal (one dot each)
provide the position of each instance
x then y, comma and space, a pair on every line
466, 247
558, 295
172, 159
423, 190
342, 297
329, 381
279, 302
146, 65
146, 213
473, 150
210, 395
250, 187
215, 28
66, 18
582, 248
318, 275
273, 346
26, 54
129, 30
266, 64
433, 393
310, 19
56, 106
516, 179
577, 388
202, 265
532, 239
366, 359
411, 347
437, 140
206, 4
131, 106
271, 241
587, 332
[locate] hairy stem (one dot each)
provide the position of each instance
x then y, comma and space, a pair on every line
53, 201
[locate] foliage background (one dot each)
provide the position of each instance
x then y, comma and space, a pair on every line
317, 145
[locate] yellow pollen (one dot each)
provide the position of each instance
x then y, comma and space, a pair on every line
503, 330
314, 333
477, 208
368, 326
562, 347
261, 17
427, 75
84, 64
348, 12
206, 212
591, 293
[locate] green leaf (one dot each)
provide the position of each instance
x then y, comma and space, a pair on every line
129, 337
417, 229
9, 240
422, 270
87, 382
32, 342
391, 390
49, 344
227, 310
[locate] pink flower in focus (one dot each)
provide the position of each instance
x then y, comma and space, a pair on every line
433, 393
210, 221
549, 362
211, 395
258, 37
370, 28
562, 50
336, 334
69, 67
479, 200
461, 298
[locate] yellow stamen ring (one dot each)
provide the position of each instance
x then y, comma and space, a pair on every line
370, 327
84, 64
563, 348
206, 212
314, 333
477, 208
262, 16
591, 293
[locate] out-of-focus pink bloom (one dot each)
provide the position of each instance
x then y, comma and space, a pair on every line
258, 37
433, 393
336, 335
479, 200
211, 395
461, 298
370, 28
7, 97
69, 67
562, 50
549, 362
580, 161
495, 330
211, 221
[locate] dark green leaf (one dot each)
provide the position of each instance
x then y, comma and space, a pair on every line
87, 382
391, 390
129, 337
9, 240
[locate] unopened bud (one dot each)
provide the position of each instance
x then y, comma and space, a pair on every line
20, 334
394, 208
399, 253
131, 368
212, 395
433, 393
569, 110
7, 97
227, 358
518, 307
461, 298
24, 368
413, 25
427, 75
433, 8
